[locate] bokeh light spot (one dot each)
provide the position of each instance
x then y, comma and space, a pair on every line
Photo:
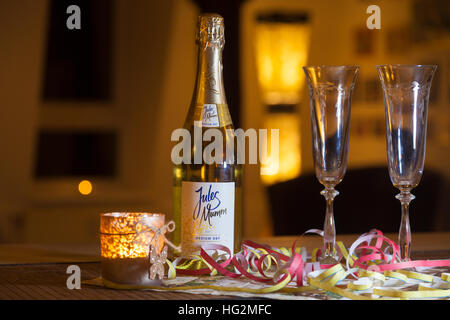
85, 187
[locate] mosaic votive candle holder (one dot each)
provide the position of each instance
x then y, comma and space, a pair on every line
125, 242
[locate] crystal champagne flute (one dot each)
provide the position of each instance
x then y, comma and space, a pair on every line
406, 89
330, 91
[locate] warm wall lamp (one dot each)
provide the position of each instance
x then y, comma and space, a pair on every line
281, 49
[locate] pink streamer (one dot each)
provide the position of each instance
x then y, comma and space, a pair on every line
298, 268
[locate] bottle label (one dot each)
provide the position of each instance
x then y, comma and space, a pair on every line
207, 215
210, 117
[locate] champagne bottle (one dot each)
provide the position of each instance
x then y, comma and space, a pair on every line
207, 197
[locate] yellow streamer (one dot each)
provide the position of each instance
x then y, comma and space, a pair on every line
360, 287
341, 292
421, 293
276, 287
314, 254
416, 275
395, 275
330, 271
371, 274
327, 280
351, 260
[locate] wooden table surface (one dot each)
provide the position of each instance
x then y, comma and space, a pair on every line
39, 271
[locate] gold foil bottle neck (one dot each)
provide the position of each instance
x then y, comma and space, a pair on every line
211, 30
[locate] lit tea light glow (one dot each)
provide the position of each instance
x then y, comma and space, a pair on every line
85, 187
125, 240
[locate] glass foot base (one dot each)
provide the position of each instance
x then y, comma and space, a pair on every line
328, 260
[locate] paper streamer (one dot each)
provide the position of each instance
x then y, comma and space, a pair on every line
372, 270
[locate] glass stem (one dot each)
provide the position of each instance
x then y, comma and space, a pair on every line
329, 230
404, 234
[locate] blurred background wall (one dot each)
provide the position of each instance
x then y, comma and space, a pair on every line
99, 104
